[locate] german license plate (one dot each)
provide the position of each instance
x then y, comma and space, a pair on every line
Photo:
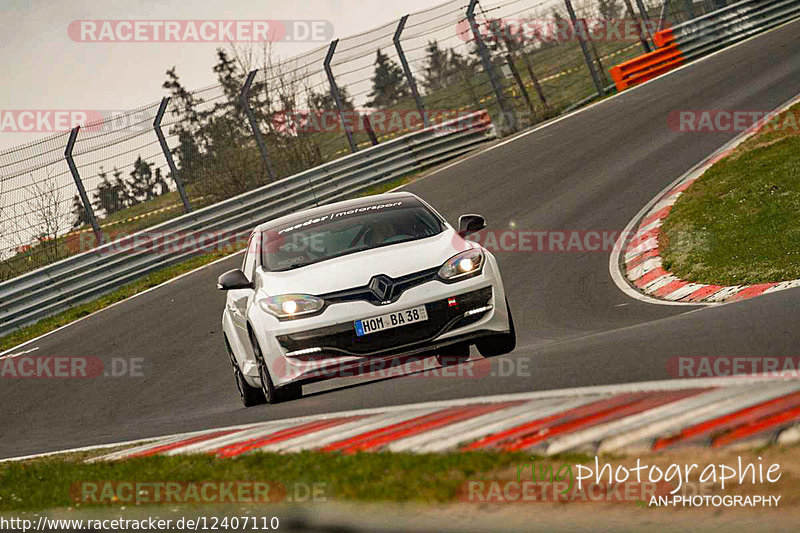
391, 320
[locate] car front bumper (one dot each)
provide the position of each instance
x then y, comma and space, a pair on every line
325, 346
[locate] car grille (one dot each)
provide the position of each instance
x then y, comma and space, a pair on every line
342, 338
400, 285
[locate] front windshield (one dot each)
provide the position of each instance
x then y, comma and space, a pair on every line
339, 233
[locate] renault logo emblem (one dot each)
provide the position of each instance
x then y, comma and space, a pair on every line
382, 287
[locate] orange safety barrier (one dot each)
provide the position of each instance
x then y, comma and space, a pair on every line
647, 66
664, 38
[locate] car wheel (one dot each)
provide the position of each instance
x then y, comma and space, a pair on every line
501, 343
250, 396
270, 392
455, 354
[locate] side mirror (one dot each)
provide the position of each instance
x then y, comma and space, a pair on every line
469, 224
233, 279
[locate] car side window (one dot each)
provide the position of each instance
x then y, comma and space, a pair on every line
250, 256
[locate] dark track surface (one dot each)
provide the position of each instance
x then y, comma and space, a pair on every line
594, 170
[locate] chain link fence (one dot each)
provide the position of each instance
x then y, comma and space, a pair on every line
522, 60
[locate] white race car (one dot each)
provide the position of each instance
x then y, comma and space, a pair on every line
330, 291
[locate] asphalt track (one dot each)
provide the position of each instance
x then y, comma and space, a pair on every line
590, 171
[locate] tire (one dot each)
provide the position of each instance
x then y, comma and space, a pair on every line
500, 343
250, 396
270, 393
454, 354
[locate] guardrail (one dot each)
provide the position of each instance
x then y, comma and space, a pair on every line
56, 287
703, 35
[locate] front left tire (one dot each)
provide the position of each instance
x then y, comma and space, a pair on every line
272, 394
250, 396
499, 343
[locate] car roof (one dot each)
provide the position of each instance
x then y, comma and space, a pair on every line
335, 206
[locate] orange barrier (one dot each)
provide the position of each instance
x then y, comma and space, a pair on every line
664, 38
648, 66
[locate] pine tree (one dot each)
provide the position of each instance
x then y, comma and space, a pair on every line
110, 195
81, 215
142, 183
323, 101
388, 83
437, 67
608, 9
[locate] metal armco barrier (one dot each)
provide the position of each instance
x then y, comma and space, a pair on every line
82, 277
704, 35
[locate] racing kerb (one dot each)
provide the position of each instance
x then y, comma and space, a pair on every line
56, 287
748, 412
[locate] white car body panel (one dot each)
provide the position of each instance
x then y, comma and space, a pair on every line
242, 308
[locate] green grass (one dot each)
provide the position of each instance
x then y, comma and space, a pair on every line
740, 222
394, 477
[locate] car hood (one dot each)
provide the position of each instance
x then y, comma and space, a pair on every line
355, 270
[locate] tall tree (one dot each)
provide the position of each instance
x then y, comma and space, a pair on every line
144, 184
80, 213
111, 194
388, 83
608, 9
437, 67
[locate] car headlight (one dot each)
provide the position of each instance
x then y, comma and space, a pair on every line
463, 265
287, 306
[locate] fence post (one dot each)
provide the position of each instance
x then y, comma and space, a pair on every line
368, 128
244, 100
336, 96
176, 175
688, 5
409, 76
518, 79
640, 30
645, 18
508, 112
600, 66
73, 136
581, 32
